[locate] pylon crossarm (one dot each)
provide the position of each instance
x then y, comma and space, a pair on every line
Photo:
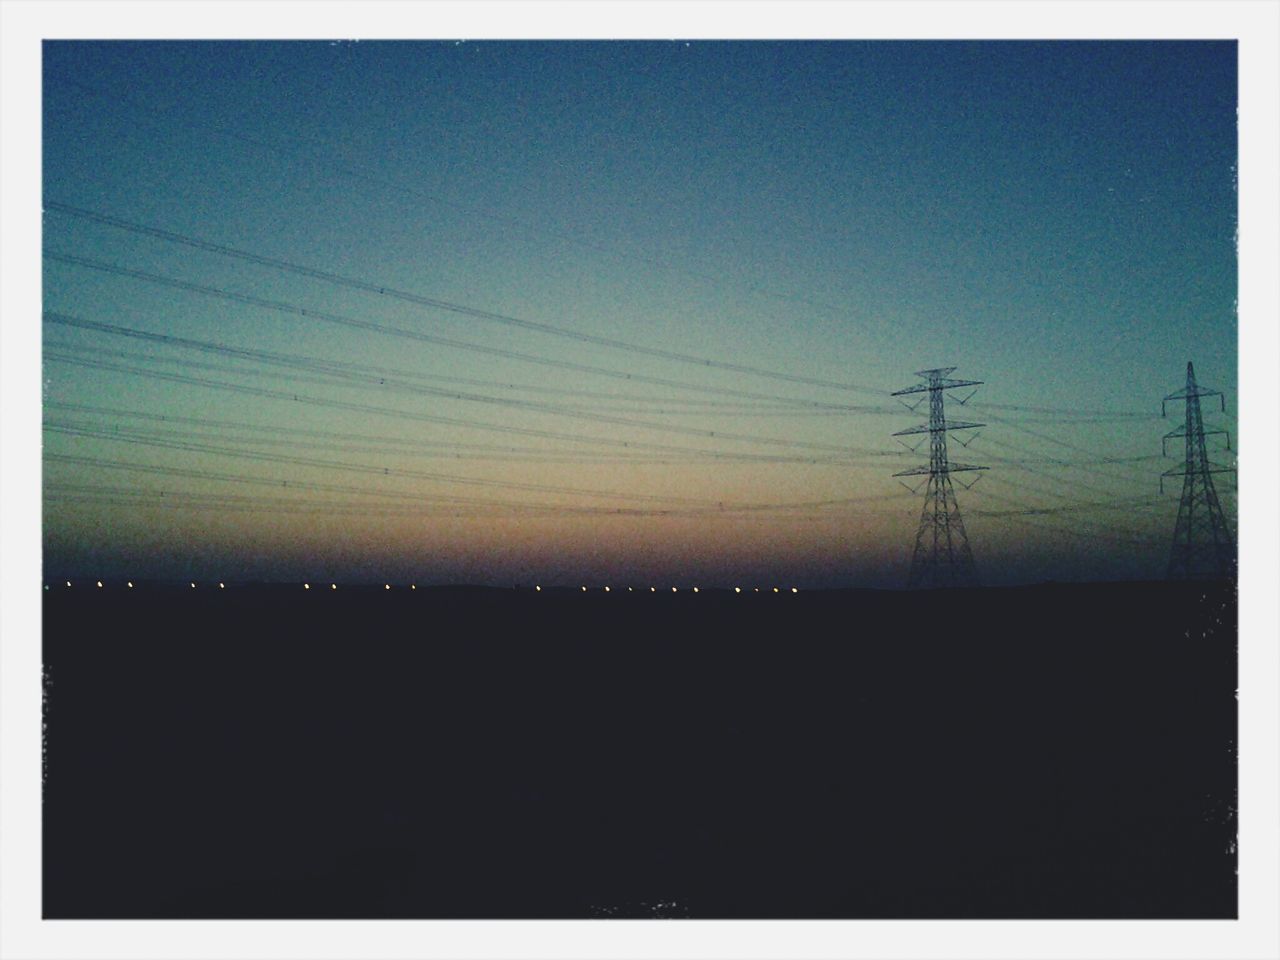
949, 468
1182, 432
1207, 467
936, 385
935, 372
938, 428
1189, 392
954, 384
924, 428
972, 394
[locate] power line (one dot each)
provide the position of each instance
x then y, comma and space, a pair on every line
184, 502
398, 472
744, 509
707, 453
1072, 412
279, 484
419, 300
440, 450
398, 446
195, 446
1122, 503
181, 500
311, 363
1027, 514
1132, 472
1082, 524
129, 437
1122, 469
454, 421
1050, 485
385, 329
381, 383
378, 376
417, 498
1042, 436
414, 188
776, 404
428, 447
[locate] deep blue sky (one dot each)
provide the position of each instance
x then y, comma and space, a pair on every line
1056, 219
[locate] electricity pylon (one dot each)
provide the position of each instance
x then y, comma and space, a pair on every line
1202, 545
941, 557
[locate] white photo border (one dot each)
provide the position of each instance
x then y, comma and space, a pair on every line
25, 23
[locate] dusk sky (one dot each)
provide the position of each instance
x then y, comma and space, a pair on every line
625, 312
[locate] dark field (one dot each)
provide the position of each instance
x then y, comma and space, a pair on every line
1047, 752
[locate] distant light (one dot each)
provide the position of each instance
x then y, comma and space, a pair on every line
386, 586
68, 583
695, 589
333, 586
413, 586
606, 589
630, 589
222, 586
756, 589
737, 589
99, 583
775, 589
538, 588
651, 589
193, 585
673, 589
794, 590
46, 586
584, 589
306, 586
130, 584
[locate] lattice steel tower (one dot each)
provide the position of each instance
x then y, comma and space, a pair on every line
1202, 543
941, 557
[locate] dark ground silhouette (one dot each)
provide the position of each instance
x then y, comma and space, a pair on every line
1063, 751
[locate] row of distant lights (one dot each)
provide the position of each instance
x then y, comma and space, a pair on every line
334, 586
414, 586
129, 583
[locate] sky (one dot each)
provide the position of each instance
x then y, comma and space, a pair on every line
626, 312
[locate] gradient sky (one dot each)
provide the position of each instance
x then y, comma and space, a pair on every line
1055, 219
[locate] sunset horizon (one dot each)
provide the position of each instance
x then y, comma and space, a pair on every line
625, 311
